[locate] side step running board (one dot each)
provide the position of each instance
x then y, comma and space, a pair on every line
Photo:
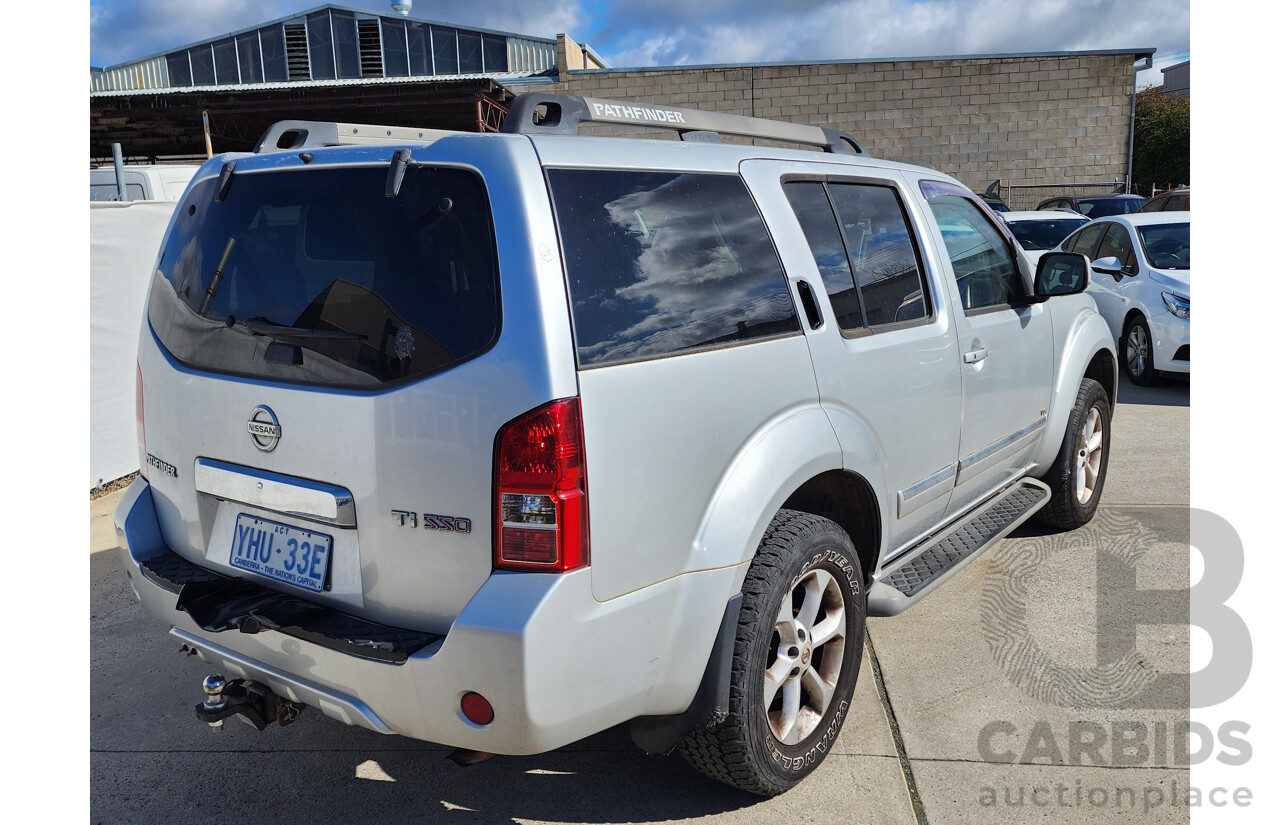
908, 579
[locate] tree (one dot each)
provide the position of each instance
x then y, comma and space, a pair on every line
1161, 141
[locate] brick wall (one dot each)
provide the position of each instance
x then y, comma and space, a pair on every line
1024, 120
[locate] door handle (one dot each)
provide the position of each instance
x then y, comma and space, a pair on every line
811, 311
973, 356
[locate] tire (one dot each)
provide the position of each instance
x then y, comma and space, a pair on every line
805, 577
1080, 470
1136, 352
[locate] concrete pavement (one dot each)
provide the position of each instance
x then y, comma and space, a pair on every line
1007, 666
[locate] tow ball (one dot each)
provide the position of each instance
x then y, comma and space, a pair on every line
255, 703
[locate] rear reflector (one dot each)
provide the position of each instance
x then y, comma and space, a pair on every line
540, 502
477, 708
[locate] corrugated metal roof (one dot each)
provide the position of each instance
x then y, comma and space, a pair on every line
500, 77
302, 14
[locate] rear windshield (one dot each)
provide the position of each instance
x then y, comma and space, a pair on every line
1037, 235
1103, 207
662, 263
316, 276
1167, 245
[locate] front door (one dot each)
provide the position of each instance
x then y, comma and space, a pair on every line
1006, 345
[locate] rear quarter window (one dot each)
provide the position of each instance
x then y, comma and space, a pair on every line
664, 263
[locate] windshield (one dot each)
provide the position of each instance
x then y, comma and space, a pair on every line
314, 275
1166, 245
1037, 235
1103, 207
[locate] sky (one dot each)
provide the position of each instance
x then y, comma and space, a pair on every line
632, 33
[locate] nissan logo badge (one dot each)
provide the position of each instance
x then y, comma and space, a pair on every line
264, 428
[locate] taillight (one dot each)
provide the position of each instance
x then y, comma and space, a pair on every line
142, 429
540, 519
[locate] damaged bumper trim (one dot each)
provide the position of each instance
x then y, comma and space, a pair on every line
218, 603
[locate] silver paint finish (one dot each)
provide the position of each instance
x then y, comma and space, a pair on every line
897, 389
971, 465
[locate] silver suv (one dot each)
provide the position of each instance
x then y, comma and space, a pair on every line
500, 440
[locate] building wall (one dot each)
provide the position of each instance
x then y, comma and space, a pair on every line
1177, 80
1024, 120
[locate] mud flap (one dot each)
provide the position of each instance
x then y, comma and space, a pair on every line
660, 734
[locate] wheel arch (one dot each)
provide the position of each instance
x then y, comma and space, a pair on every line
1088, 351
847, 499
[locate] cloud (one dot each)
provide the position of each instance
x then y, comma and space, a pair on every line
845, 29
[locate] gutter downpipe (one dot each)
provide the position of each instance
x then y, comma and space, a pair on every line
1133, 116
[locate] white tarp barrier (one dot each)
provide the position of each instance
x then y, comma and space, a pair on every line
124, 241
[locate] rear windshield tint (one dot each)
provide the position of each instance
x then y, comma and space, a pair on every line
316, 276
661, 263
1037, 235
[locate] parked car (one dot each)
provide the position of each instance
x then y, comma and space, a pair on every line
1096, 206
1142, 283
1041, 230
501, 440
156, 182
1175, 200
991, 197
995, 203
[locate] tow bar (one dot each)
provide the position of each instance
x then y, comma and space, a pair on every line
254, 702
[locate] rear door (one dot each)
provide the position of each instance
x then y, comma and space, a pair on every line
326, 366
1005, 345
885, 353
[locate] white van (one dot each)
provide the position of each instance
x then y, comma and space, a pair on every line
160, 182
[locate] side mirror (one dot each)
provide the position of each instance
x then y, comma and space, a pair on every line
1109, 266
1061, 273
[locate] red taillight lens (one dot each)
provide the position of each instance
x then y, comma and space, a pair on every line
142, 429
540, 519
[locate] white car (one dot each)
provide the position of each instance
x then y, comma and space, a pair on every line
1142, 283
1039, 231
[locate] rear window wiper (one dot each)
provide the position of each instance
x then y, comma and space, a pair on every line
259, 325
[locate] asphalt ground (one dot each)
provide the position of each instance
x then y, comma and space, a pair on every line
1044, 682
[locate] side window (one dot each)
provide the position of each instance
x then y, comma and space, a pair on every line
865, 252
981, 255
108, 192
1116, 242
662, 263
886, 266
1088, 239
1177, 203
809, 200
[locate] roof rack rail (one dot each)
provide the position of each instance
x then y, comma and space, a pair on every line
536, 113
292, 135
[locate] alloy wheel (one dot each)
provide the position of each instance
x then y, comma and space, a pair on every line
805, 658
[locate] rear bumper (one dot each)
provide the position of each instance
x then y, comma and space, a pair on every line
556, 665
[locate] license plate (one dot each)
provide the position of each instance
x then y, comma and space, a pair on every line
281, 552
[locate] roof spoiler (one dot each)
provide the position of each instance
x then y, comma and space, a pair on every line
293, 135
